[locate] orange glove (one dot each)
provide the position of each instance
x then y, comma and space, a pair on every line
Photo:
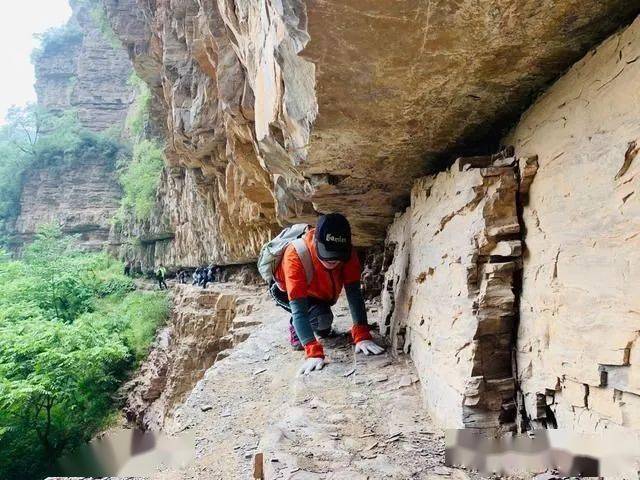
360, 333
314, 349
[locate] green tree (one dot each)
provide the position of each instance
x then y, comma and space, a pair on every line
71, 330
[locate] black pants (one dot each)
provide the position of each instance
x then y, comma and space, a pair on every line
320, 314
162, 283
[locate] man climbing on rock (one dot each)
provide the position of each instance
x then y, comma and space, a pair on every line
309, 286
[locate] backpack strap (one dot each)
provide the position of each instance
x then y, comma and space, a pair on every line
305, 257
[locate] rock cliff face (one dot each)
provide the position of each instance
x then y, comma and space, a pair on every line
81, 198
578, 354
450, 293
277, 110
203, 325
562, 321
86, 73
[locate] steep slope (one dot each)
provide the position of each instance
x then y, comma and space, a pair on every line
275, 110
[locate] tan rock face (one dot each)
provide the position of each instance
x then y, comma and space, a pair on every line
88, 75
202, 325
288, 108
82, 198
577, 341
448, 296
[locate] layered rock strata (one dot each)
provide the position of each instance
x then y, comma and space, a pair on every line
81, 198
203, 324
449, 295
288, 108
88, 74
578, 349
187, 225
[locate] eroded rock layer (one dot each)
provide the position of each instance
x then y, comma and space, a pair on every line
87, 72
81, 198
285, 107
578, 349
449, 295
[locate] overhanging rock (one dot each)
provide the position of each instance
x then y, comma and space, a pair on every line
295, 107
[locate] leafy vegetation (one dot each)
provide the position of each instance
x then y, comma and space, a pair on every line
99, 16
71, 328
140, 178
139, 113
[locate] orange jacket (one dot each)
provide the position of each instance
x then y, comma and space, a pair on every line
325, 285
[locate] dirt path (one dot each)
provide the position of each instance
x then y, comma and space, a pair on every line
361, 417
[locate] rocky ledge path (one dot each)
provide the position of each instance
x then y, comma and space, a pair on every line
359, 418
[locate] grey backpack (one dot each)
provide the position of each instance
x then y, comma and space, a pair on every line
272, 252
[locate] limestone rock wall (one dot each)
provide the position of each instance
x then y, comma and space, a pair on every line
81, 198
578, 350
88, 74
286, 108
449, 297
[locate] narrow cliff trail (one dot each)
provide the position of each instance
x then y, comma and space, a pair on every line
359, 418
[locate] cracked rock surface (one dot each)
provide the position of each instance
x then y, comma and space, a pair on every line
578, 349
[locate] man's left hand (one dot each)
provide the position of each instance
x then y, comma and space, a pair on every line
368, 347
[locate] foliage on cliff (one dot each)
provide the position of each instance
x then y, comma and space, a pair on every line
71, 328
35, 138
57, 39
140, 175
140, 178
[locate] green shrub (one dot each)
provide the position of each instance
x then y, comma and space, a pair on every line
140, 178
99, 16
71, 330
115, 286
56, 40
139, 113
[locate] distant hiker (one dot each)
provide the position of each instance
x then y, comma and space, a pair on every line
204, 277
213, 273
306, 269
161, 273
127, 268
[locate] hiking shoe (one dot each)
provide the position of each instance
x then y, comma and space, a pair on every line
294, 340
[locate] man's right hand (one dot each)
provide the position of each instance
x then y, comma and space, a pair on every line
311, 364
315, 358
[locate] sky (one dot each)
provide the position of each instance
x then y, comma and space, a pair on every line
19, 21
